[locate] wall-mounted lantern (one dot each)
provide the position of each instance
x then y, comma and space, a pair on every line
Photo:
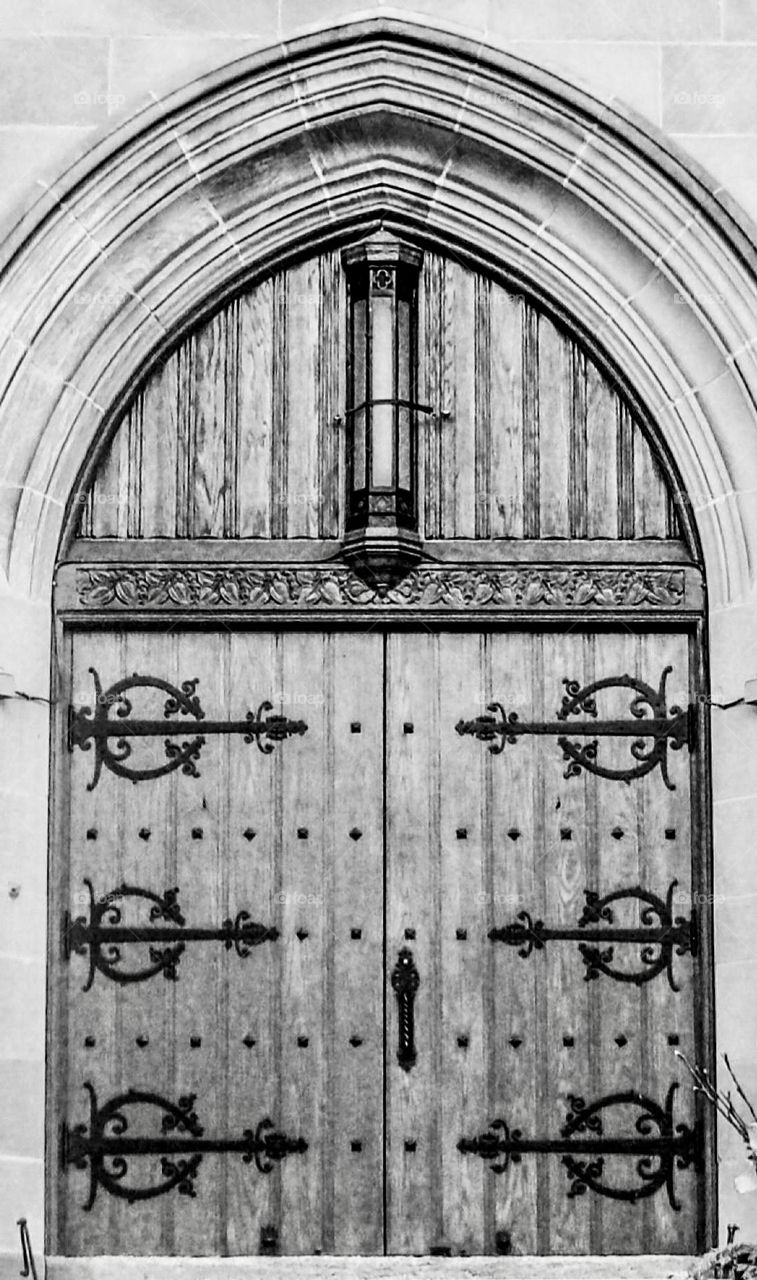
381, 532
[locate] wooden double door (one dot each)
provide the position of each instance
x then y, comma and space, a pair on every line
397, 962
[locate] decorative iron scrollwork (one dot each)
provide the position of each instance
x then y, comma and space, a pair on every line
405, 983
86, 726
106, 1147
660, 935
658, 1145
103, 934
650, 719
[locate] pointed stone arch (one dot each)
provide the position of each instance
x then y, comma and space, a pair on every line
380, 118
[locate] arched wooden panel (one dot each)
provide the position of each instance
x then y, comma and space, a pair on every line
238, 434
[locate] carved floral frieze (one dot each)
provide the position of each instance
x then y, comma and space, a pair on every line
335, 587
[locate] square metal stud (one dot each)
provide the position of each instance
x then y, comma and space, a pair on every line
503, 1243
269, 1241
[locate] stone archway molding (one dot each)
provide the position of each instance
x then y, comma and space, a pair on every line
476, 150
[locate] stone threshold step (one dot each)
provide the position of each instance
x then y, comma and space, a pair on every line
629, 1267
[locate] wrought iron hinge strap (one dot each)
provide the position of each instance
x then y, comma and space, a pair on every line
86, 726
665, 726
105, 1140
660, 1146
103, 934
670, 934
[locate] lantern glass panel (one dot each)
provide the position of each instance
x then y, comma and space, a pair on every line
404, 392
359, 390
382, 388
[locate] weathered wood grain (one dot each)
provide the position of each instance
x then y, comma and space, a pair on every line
235, 434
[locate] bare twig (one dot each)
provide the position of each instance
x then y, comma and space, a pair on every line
720, 1100
739, 1089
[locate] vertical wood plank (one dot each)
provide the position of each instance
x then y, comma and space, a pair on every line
330, 389
201, 864
280, 417
233, 337
431, 357
577, 464
464, 948
669, 848
110, 509
566, 1052
208, 463
413, 1205
555, 407
619, 1031
482, 411
186, 441
457, 483
506, 505
254, 392
517, 875
626, 476
251, 854
306, 958
651, 497
160, 436
90, 1017
602, 465
531, 425
355, 889
134, 499
304, 428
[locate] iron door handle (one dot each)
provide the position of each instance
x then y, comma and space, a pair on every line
405, 983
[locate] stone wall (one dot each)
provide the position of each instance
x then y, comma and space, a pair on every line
68, 73
67, 67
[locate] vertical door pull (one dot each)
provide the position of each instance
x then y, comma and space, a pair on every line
405, 983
